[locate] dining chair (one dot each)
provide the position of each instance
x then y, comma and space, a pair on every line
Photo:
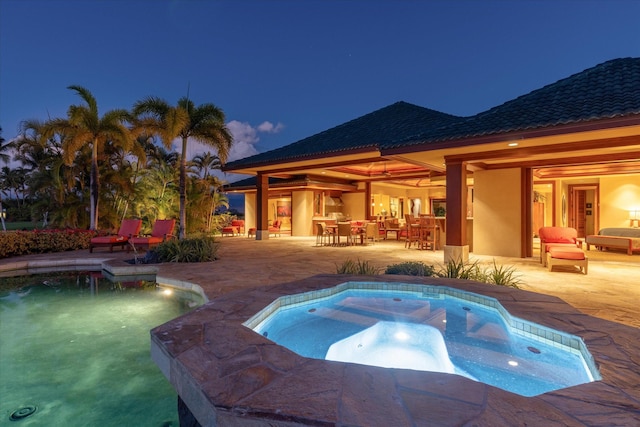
412, 226
371, 232
428, 233
344, 230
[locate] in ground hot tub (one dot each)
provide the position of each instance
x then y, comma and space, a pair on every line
427, 328
228, 375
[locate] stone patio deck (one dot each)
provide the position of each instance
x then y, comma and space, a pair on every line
602, 309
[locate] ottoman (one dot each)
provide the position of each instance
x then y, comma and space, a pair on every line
559, 255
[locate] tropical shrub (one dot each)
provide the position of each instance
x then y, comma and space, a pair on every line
458, 269
496, 275
195, 249
15, 243
357, 267
503, 276
411, 268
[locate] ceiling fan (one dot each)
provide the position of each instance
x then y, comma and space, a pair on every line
386, 172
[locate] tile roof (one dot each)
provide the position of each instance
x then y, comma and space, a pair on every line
395, 122
608, 90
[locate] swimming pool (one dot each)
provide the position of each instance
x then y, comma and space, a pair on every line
430, 328
75, 346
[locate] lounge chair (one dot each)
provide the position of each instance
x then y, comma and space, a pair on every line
557, 237
275, 228
236, 228
162, 231
128, 229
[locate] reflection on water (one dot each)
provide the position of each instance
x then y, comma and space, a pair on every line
77, 347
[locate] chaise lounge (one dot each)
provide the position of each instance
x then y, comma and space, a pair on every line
234, 229
128, 229
557, 237
162, 231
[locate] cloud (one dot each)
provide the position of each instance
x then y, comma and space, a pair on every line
269, 127
245, 138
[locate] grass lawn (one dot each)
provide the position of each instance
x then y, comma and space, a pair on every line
22, 225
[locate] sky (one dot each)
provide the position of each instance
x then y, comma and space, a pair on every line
283, 70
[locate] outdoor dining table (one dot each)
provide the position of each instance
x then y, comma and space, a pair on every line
356, 230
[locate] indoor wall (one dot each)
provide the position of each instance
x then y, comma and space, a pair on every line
618, 195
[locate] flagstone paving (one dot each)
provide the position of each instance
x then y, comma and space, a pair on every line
601, 308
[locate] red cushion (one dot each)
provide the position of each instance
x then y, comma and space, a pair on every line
558, 234
146, 240
561, 252
548, 246
105, 240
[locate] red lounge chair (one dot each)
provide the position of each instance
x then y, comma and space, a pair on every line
275, 228
162, 231
558, 237
128, 229
235, 228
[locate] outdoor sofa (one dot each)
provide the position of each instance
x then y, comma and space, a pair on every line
616, 238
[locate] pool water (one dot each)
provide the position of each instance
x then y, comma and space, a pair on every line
76, 346
430, 331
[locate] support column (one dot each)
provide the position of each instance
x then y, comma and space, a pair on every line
262, 207
456, 248
526, 195
367, 200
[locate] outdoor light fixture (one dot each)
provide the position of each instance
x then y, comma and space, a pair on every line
634, 218
513, 144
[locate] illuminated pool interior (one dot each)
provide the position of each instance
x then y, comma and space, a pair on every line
75, 349
427, 328
226, 373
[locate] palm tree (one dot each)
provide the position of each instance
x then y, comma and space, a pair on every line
84, 127
204, 124
205, 163
4, 157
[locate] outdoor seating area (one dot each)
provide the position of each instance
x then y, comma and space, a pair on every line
627, 239
421, 233
162, 231
346, 233
561, 246
128, 229
274, 229
236, 228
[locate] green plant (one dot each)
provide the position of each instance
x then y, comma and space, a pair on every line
357, 267
411, 268
197, 249
503, 276
458, 269
16, 243
498, 275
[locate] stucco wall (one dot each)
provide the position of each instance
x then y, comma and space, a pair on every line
250, 218
497, 217
302, 213
618, 194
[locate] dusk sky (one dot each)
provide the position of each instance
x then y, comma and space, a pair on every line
285, 70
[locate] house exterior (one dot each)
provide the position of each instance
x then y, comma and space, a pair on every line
567, 154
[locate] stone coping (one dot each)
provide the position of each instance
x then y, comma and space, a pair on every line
229, 375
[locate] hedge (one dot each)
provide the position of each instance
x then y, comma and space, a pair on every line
16, 243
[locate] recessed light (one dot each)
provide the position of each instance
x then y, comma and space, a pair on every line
513, 144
